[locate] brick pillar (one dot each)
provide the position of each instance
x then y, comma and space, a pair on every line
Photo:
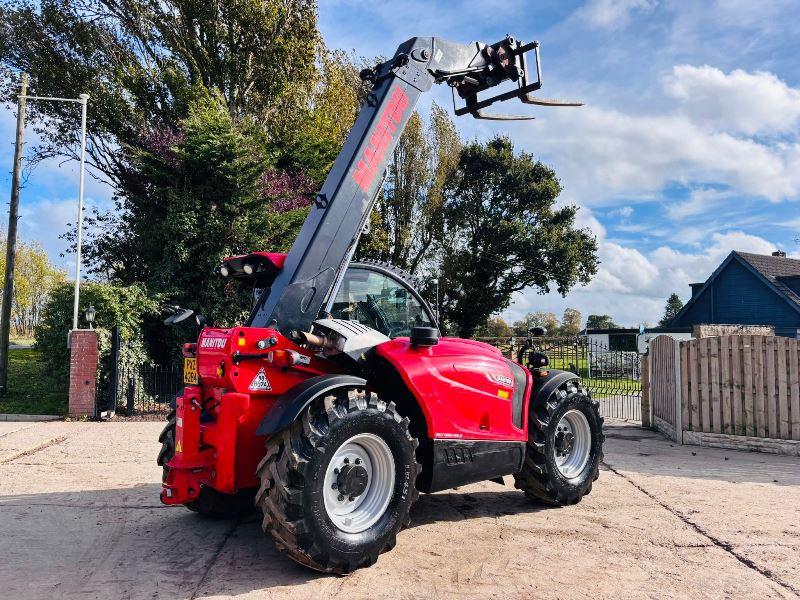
83, 372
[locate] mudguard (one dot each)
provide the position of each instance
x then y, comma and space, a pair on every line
289, 405
543, 387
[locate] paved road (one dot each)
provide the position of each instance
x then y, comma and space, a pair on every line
80, 518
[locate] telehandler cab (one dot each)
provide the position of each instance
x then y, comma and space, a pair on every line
338, 400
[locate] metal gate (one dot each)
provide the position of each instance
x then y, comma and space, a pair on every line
139, 390
612, 376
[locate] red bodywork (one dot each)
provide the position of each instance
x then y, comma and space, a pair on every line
222, 450
463, 387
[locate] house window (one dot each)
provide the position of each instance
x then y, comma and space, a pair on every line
625, 342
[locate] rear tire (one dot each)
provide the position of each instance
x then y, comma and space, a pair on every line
342, 528
210, 503
564, 449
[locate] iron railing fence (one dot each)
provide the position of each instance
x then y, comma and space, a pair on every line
612, 376
141, 390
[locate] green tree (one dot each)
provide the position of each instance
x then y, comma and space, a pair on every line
547, 320
600, 322
35, 276
128, 307
408, 220
570, 322
671, 309
145, 62
504, 234
494, 327
195, 196
312, 142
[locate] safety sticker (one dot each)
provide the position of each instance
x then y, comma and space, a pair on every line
260, 382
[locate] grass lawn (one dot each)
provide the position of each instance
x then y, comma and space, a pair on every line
31, 389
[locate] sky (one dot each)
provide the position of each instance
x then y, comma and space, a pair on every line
688, 146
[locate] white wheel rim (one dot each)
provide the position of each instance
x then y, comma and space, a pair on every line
573, 444
371, 452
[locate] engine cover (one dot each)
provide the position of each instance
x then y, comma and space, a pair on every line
354, 339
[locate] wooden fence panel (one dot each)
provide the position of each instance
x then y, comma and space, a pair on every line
770, 400
783, 391
749, 400
794, 389
731, 385
725, 378
694, 370
737, 398
705, 388
686, 418
716, 400
760, 405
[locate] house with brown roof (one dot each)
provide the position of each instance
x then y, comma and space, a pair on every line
748, 289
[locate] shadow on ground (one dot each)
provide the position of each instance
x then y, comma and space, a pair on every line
125, 543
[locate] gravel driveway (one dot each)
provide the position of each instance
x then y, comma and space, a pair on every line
80, 517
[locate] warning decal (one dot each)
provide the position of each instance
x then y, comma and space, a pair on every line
260, 382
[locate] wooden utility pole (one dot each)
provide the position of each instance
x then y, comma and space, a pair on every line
11, 242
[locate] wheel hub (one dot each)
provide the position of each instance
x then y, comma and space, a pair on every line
359, 482
352, 480
572, 444
565, 440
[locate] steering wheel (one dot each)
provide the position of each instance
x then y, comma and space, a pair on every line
372, 308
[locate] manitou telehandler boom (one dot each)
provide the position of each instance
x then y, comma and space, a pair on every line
339, 400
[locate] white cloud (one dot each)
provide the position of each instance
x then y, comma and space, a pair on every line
632, 285
700, 201
625, 212
603, 153
613, 14
750, 103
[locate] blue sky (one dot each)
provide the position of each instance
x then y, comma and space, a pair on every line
688, 148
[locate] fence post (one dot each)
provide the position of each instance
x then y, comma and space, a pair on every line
645, 376
678, 387
113, 385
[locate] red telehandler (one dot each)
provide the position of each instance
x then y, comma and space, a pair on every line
338, 400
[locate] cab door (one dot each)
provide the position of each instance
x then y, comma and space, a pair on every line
381, 298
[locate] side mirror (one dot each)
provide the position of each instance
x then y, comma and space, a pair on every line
424, 336
537, 331
200, 320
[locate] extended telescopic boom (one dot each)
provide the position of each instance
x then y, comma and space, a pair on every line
330, 233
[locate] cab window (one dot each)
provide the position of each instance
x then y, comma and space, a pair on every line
380, 302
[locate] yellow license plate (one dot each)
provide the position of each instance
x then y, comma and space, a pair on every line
190, 371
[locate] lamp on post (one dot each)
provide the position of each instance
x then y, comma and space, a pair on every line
90, 314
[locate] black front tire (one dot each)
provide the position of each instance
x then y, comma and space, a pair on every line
210, 503
540, 477
293, 476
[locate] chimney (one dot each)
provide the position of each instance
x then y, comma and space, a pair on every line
779, 254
